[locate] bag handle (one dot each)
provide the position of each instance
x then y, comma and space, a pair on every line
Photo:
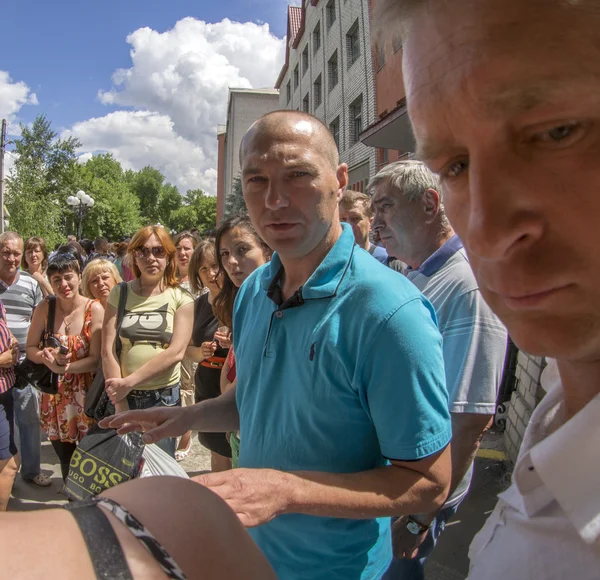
51, 315
121, 313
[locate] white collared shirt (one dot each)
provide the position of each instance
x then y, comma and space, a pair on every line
546, 526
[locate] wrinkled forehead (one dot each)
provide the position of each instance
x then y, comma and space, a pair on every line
12, 245
500, 53
277, 147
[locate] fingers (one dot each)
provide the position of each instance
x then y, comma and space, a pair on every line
118, 421
169, 428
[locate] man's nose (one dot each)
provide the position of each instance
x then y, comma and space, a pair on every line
275, 197
504, 212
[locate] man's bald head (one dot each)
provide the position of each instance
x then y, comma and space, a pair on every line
285, 125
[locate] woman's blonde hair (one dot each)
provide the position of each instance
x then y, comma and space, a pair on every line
138, 241
95, 267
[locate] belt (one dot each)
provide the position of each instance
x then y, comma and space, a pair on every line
140, 393
214, 362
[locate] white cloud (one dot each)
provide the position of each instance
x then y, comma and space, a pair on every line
140, 138
178, 87
13, 96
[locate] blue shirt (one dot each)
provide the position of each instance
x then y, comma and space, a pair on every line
348, 378
379, 253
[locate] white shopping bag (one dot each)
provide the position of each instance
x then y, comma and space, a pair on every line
157, 462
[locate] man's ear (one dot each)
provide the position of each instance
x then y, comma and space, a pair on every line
342, 178
431, 204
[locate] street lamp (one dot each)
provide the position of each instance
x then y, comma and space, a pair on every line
80, 202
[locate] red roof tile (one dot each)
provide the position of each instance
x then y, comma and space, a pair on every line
295, 22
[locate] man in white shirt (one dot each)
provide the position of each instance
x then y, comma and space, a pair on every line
503, 97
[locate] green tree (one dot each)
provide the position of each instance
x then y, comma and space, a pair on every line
43, 176
235, 204
198, 210
147, 184
116, 212
169, 201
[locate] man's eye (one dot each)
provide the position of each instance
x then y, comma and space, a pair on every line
455, 169
298, 173
256, 179
562, 135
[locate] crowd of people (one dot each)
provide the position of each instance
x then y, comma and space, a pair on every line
342, 387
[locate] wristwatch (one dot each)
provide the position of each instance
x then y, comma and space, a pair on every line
414, 527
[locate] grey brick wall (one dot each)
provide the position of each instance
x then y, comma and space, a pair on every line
523, 401
354, 80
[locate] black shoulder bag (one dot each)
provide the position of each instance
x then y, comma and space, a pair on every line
36, 374
97, 404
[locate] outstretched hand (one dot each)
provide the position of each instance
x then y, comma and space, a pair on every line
156, 423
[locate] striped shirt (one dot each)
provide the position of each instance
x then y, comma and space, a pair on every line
7, 376
474, 339
20, 300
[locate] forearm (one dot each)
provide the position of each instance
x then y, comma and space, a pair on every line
88, 364
155, 366
216, 415
110, 365
34, 354
194, 353
385, 491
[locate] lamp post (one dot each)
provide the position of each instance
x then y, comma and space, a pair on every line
80, 202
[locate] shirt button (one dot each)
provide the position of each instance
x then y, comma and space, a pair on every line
279, 314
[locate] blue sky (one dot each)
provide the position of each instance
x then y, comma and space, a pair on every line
66, 51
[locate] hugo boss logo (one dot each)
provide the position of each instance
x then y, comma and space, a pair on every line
92, 474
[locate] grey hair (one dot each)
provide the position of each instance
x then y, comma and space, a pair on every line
410, 178
10, 237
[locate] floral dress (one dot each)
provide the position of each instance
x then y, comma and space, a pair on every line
61, 415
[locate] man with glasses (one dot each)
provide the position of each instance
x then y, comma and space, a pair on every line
20, 296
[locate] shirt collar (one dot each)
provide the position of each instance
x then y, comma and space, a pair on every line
436, 261
567, 461
325, 280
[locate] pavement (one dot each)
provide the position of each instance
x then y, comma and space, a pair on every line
449, 560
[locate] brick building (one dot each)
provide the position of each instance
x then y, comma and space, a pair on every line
328, 72
390, 132
244, 106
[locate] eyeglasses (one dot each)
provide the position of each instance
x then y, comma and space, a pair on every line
144, 253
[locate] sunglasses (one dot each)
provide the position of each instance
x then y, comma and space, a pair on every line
144, 253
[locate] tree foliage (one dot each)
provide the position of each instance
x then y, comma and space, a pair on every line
46, 172
40, 181
235, 204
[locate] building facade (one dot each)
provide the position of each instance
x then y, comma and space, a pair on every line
390, 132
244, 106
328, 72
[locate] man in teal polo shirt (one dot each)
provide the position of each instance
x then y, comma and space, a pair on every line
343, 409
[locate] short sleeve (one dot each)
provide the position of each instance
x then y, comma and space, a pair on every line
114, 296
474, 350
182, 298
404, 387
37, 294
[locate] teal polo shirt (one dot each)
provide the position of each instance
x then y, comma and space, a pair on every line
345, 375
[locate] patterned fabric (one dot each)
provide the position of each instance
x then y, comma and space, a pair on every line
62, 416
162, 557
7, 376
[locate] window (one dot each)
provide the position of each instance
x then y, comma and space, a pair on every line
305, 60
380, 56
383, 156
330, 13
296, 78
317, 38
356, 120
353, 44
317, 91
305, 104
289, 91
334, 129
332, 66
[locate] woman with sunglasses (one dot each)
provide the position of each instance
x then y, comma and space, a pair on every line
155, 331
77, 327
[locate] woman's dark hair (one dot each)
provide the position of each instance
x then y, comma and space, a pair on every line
204, 251
223, 302
33, 243
65, 260
88, 246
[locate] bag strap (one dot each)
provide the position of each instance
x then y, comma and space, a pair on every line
51, 315
372, 249
120, 314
